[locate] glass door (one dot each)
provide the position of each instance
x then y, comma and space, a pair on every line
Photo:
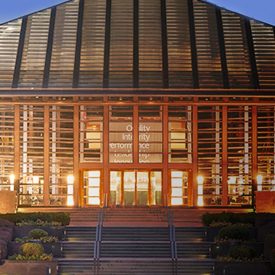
115, 187
142, 188
179, 187
156, 187
129, 186
92, 187
135, 188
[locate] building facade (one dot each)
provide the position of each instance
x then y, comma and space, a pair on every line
137, 102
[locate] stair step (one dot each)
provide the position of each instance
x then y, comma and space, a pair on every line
142, 266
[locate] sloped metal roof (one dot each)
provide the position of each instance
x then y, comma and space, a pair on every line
136, 44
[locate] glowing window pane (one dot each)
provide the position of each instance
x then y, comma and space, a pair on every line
177, 192
177, 201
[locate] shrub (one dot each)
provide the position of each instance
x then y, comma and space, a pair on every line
5, 235
242, 252
219, 224
226, 217
46, 239
38, 223
235, 232
31, 249
38, 234
49, 239
3, 249
5, 223
42, 257
272, 260
59, 218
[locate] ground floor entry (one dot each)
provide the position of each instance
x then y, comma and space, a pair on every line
120, 151
134, 187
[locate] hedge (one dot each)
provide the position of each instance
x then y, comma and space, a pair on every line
228, 217
236, 231
59, 217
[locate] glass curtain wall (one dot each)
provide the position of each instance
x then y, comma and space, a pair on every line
7, 148
239, 155
210, 153
266, 148
61, 152
43, 125
32, 152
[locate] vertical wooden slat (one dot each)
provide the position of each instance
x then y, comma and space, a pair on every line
254, 71
76, 155
165, 157
193, 47
107, 44
106, 153
49, 49
19, 56
193, 201
136, 134
122, 188
78, 44
224, 156
254, 142
136, 45
222, 48
17, 147
165, 68
46, 187
190, 190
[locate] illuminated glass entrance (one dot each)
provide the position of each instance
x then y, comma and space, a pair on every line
179, 187
135, 188
92, 187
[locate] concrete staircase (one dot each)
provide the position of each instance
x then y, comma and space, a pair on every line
79, 243
134, 241
135, 217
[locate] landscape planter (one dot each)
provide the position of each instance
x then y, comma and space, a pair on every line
29, 267
3, 249
269, 245
222, 249
23, 231
212, 233
265, 229
50, 248
251, 268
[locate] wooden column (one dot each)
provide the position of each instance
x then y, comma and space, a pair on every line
17, 147
78, 44
136, 45
107, 43
254, 141
165, 69
46, 187
19, 56
76, 155
135, 134
194, 200
106, 176
224, 156
165, 183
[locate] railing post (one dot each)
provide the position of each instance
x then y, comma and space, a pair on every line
172, 235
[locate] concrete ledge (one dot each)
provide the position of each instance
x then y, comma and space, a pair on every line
8, 201
265, 202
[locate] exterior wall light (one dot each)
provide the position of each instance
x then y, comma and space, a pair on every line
12, 180
70, 190
259, 182
200, 180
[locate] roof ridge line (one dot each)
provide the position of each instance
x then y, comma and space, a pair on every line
30, 14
